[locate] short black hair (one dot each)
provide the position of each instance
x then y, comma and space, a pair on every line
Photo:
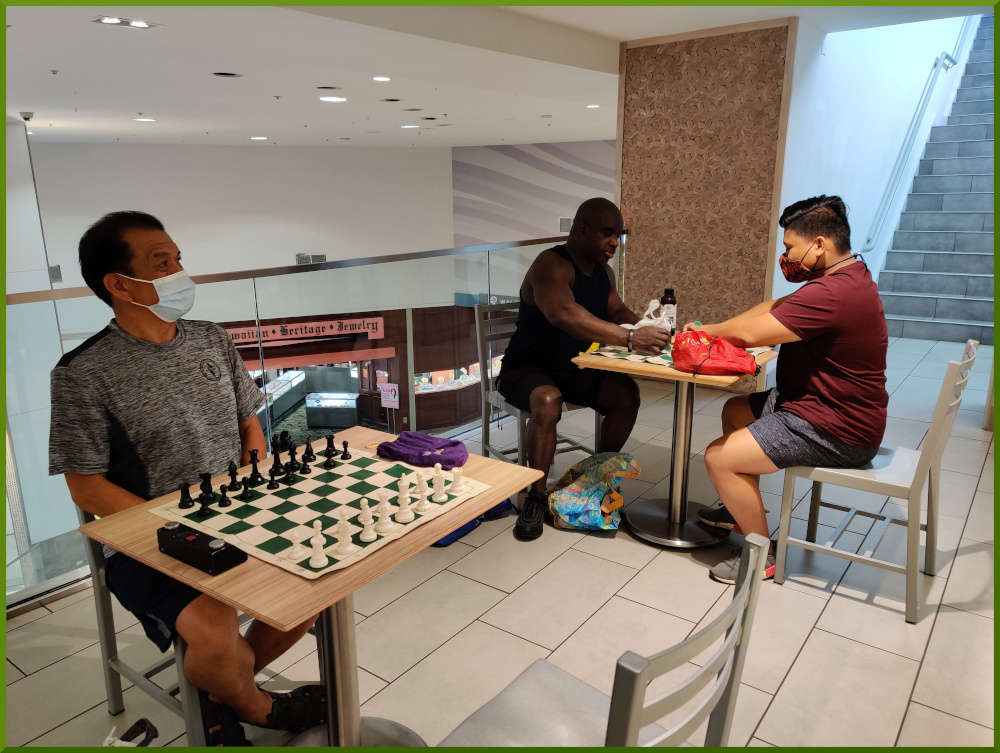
102, 249
820, 215
591, 212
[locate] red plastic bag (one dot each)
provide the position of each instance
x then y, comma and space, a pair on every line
698, 353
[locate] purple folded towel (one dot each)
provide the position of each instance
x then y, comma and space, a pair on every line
424, 450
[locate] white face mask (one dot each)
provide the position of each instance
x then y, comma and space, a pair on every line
176, 293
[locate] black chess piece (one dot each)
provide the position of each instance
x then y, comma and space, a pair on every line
286, 440
234, 483
330, 462
274, 471
329, 452
245, 495
308, 455
207, 495
256, 479
186, 500
275, 445
292, 465
289, 477
224, 500
304, 468
345, 455
205, 508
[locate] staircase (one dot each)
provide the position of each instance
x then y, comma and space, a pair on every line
937, 283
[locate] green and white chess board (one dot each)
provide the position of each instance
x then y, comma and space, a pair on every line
264, 526
616, 351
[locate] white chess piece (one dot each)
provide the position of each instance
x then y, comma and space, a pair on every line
423, 504
457, 482
344, 544
368, 532
404, 514
297, 552
318, 557
384, 511
421, 484
439, 495
366, 514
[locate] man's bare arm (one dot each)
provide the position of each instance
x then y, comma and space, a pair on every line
550, 287
98, 496
251, 438
618, 312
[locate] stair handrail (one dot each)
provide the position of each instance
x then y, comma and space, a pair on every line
943, 61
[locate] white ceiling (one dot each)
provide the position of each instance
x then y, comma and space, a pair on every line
108, 74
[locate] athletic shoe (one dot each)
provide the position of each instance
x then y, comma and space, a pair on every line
298, 710
531, 517
727, 570
718, 517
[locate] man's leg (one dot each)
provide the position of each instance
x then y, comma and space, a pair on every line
546, 409
735, 462
269, 643
736, 414
618, 400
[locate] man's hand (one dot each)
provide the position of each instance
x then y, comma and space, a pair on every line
691, 327
650, 340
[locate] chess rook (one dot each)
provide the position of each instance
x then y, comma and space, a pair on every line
186, 501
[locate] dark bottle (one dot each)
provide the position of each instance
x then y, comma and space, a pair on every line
668, 310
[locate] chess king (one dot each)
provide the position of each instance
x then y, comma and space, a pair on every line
139, 409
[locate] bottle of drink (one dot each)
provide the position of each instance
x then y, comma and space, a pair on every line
668, 310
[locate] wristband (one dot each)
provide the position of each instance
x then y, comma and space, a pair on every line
628, 341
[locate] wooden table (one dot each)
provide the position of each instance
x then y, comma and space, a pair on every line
670, 522
283, 600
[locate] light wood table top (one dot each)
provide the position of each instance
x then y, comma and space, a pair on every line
283, 599
659, 371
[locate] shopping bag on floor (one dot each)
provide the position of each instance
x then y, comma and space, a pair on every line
698, 353
587, 497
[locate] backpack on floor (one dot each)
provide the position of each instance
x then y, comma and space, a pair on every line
587, 497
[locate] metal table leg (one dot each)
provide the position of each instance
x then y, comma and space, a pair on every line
338, 671
672, 522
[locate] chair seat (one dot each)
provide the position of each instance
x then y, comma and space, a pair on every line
891, 472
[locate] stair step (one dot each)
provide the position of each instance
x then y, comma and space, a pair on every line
938, 261
956, 166
943, 240
972, 107
972, 68
949, 330
972, 79
981, 56
937, 283
931, 220
982, 117
950, 202
946, 149
953, 307
972, 93
961, 132
952, 183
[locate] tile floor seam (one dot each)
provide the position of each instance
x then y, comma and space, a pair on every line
14, 665
670, 614
75, 716
74, 653
513, 635
949, 713
558, 555
388, 603
469, 577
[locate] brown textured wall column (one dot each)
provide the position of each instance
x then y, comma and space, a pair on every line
701, 141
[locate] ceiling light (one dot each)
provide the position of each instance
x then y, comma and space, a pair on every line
138, 24
227, 74
30, 132
258, 138
144, 120
592, 107
413, 109
410, 125
381, 78
430, 117
331, 88
345, 138
546, 116
391, 99
133, 23
109, 20
333, 99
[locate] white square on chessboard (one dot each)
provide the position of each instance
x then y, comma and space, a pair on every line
307, 484
380, 480
255, 536
304, 533
267, 502
261, 517
306, 498
218, 522
343, 482
303, 515
343, 496
379, 465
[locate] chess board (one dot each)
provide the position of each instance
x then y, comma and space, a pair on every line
262, 526
616, 351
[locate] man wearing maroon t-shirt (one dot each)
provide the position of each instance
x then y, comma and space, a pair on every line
829, 406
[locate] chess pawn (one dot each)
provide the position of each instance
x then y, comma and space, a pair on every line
368, 532
245, 495
317, 539
224, 500
344, 544
366, 514
439, 495
345, 455
457, 482
404, 514
384, 511
304, 468
292, 465
297, 552
234, 484
421, 484
273, 473
423, 504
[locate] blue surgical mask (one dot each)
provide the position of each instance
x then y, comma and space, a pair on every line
176, 293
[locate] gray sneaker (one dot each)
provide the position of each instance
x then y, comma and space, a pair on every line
727, 570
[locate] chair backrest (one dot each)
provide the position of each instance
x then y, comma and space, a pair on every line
956, 378
721, 672
495, 323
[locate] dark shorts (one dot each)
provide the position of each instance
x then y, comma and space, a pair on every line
790, 440
578, 386
154, 598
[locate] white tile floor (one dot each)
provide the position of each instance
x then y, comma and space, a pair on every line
831, 660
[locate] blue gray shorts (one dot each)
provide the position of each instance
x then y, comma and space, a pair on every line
789, 440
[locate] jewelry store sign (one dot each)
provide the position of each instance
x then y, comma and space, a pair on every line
300, 332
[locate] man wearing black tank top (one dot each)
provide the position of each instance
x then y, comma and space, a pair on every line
568, 301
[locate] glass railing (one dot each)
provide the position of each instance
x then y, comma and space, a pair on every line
387, 342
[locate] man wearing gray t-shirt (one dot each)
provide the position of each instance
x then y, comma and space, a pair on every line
144, 406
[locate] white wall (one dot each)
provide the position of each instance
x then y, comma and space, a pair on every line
853, 95
25, 252
233, 208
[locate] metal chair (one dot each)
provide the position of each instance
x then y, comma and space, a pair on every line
894, 472
495, 323
545, 706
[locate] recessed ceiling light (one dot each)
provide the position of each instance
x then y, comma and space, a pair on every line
443, 125
109, 20
410, 125
430, 117
381, 78
329, 88
546, 116
144, 120
30, 132
592, 107
258, 138
413, 109
390, 99
227, 74
333, 99
345, 138
136, 23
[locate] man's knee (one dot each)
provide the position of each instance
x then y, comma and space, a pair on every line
546, 404
715, 456
736, 413
209, 625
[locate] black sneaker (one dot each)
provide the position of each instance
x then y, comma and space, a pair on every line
298, 710
718, 517
529, 521
222, 727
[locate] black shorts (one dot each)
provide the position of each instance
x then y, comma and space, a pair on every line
154, 598
578, 386
790, 440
